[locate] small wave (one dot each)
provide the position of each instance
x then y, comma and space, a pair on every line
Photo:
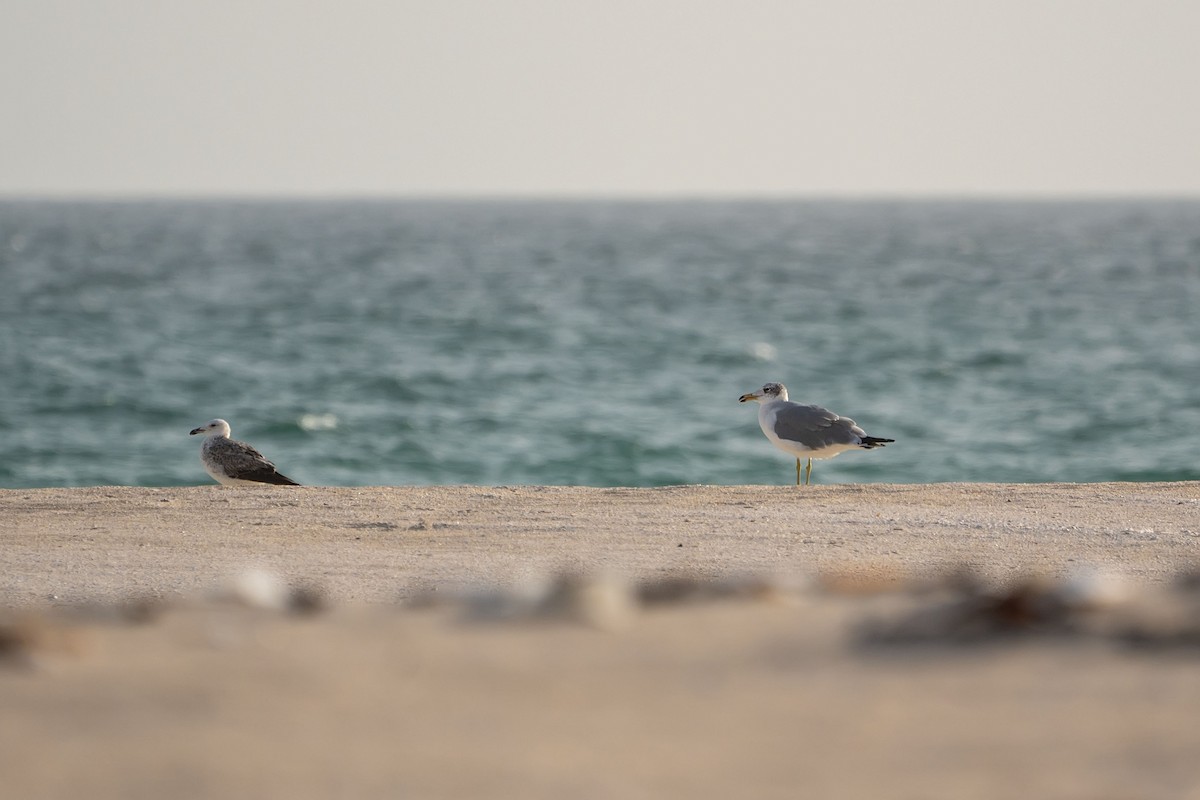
317, 422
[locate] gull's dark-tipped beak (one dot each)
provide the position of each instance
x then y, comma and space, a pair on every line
195, 431
746, 397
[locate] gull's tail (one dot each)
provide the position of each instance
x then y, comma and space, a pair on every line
269, 476
873, 441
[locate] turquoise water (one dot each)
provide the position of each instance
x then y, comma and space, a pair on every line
598, 343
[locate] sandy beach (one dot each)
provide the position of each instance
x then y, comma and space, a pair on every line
693, 641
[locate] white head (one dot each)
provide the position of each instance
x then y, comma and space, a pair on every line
769, 392
214, 427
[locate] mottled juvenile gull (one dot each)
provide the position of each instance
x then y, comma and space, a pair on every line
235, 463
806, 431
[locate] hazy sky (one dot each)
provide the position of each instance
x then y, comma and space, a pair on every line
611, 97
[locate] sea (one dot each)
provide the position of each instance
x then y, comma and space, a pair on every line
598, 342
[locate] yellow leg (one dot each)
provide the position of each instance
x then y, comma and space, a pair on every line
797, 472
807, 472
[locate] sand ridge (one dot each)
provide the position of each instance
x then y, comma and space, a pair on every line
378, 543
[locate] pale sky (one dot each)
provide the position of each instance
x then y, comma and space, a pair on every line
612, 97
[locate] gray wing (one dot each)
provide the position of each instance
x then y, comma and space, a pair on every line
240, 460
815, 427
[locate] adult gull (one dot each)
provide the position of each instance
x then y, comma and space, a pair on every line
806, 431
235, 463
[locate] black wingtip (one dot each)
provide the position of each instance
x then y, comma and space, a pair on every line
874, 441
275, 479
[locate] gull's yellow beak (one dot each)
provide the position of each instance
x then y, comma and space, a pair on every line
751, 396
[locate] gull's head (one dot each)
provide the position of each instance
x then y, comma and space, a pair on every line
214, 427
769, 392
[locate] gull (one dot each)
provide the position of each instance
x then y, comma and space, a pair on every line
235, 463
806, 431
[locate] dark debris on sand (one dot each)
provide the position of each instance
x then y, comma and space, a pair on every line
888, 612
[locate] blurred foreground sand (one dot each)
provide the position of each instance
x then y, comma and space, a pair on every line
730, 642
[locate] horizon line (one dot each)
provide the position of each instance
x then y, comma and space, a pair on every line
568, 197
